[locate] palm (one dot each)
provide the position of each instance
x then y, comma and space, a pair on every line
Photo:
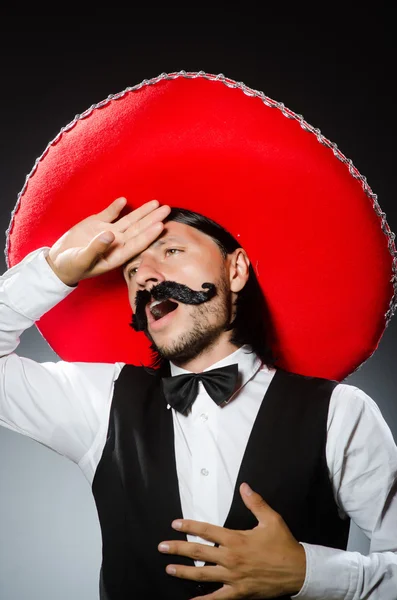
132, 234
79, 236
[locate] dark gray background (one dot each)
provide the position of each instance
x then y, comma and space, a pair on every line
340, 78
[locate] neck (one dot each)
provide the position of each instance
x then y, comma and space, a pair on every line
208, 357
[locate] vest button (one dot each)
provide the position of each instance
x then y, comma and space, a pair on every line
204, 472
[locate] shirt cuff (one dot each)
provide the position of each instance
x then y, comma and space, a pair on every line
32, 287
331, 574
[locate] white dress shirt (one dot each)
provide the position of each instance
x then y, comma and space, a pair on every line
65, 406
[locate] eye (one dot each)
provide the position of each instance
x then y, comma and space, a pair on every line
171, 251
132, 272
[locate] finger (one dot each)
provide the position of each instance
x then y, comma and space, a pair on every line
255, 503
135, 227
207, 531
218, 574
194, 550
111, 211
138, 243
143, 217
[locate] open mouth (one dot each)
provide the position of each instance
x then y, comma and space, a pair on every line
160, 308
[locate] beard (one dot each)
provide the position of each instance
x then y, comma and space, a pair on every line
205, 330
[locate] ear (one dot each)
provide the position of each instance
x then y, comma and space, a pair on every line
238, 269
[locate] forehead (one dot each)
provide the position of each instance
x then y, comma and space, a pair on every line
174, 228
178, 233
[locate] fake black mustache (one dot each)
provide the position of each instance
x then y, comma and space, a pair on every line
168, 290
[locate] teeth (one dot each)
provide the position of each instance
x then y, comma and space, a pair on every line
154, 303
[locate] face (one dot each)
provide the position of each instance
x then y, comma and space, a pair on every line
184, 255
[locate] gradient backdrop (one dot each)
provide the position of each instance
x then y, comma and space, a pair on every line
339, 78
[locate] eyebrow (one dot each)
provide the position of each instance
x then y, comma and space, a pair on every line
159, 242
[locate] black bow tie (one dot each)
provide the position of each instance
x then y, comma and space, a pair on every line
181, 390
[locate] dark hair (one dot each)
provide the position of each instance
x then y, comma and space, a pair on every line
251, 324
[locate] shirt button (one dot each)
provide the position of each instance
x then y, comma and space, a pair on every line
204, 472
204, 417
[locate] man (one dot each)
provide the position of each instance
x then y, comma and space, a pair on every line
318, 451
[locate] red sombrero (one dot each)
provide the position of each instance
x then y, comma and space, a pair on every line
312, 227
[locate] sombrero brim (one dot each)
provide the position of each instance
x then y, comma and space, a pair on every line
311, 225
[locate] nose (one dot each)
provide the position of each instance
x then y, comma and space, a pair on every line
148, 275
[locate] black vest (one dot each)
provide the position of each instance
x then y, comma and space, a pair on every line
136, 486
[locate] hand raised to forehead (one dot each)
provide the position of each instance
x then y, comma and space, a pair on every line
100, 243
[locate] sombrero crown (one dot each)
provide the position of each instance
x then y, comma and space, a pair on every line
311, 225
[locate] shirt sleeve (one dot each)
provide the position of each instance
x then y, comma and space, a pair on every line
63, 405
362, 462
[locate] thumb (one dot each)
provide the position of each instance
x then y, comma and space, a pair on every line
254, 502
97, 246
